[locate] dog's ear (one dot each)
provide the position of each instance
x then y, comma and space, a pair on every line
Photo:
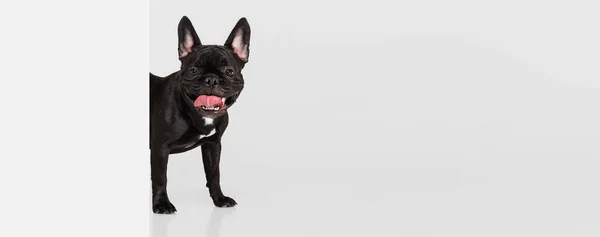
239, 39
188, 39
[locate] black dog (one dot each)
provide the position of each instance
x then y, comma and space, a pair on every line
189, 107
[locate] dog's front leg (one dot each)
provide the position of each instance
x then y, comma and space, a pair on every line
159, 157
211, 156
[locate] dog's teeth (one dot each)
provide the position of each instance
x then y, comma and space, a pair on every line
223, 99
210, 109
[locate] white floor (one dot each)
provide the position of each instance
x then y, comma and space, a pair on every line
381, 202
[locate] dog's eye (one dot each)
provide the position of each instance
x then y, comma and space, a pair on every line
193, 72
229, 72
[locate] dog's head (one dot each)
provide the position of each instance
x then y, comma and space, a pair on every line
211, 75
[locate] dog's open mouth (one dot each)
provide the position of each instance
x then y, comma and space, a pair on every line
210, 103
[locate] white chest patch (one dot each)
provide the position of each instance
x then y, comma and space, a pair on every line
208, 121
212, 132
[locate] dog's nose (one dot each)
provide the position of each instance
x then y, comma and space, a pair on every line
211, 81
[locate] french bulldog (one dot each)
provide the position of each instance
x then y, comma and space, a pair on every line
188, 108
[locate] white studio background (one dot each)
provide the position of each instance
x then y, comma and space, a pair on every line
425, 118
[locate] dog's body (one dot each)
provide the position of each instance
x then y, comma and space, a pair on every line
189, 107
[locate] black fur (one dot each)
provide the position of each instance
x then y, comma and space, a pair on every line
176, 125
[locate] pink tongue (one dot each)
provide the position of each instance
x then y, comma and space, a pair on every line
208, 101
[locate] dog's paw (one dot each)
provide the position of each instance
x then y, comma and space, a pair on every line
224, 201
163, 207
